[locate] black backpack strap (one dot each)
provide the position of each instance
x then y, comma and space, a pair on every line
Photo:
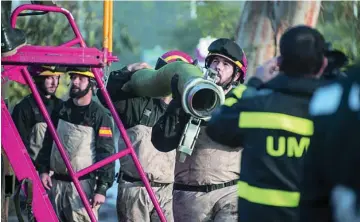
145, 118
29, 188
30, 213
35, 109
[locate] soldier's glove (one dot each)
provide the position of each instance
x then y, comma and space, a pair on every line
174, 89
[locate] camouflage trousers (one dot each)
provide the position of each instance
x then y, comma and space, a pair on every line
218, 205
134, 204
67, 202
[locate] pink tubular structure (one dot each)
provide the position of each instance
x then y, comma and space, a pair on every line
15, 68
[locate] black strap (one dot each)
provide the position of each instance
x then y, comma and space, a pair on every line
10, 184
30, 213
134, 180
29, 189
203, 188
146, 113
34, 107
67, 178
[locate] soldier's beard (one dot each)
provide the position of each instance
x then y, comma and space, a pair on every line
76, 93
45, 91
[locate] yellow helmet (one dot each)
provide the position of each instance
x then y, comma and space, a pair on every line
36, 71
80, 71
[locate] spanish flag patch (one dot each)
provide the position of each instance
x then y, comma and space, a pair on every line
105, 132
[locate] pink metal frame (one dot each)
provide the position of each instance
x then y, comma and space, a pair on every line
50, 55
15, 69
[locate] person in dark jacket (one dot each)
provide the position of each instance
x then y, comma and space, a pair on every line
26, 115
273, 127
139, 114
85, 131
205, 183
331, 186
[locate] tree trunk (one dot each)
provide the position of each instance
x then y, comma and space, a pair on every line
262, 24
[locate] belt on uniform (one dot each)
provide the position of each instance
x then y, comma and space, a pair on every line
134, 180
203, 188
67, 178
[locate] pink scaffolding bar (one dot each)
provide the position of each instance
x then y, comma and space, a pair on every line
97, 72
21, 163
58, 143
129, 145
52, 55
103, 163
78, 37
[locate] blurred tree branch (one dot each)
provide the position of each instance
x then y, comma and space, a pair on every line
262, 23
340, 24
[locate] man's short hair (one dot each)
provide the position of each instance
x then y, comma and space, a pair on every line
302, 51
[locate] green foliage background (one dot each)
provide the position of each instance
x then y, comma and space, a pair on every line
340, 24
215, 19
142, 25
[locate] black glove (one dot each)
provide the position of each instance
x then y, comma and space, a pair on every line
175, 107
174, 89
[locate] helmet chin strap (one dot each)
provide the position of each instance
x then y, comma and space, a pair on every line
41, 87
42, 90
232, 82
81, 93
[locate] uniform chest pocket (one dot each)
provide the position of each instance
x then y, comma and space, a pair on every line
72, 141
75, 138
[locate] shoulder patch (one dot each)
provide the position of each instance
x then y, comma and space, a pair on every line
105, 132
326, 100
